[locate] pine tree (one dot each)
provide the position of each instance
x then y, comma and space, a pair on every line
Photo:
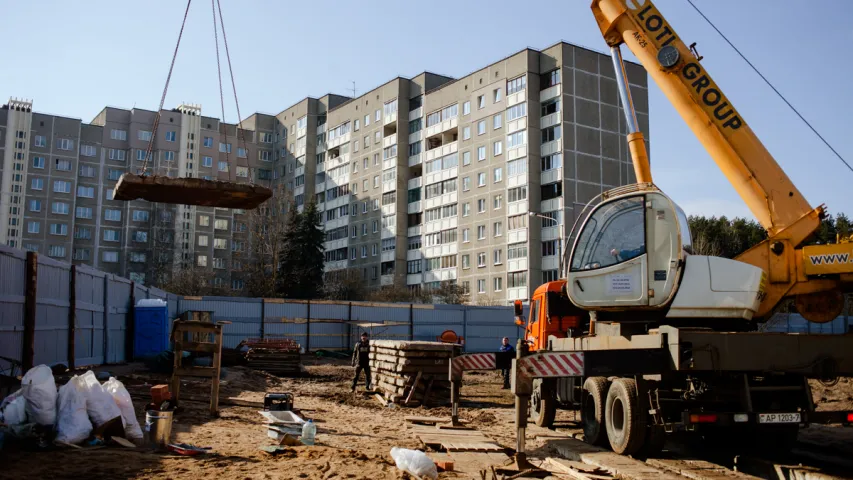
311, 261
289, 257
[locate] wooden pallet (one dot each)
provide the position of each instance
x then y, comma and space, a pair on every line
455, 446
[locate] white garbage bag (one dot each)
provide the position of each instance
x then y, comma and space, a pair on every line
415, 462
73, 424
39, 390
13, 410
99, 403
125, 404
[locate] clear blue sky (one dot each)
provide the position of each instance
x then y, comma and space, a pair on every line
75, 57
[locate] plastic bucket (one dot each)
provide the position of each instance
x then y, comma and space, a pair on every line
158, 428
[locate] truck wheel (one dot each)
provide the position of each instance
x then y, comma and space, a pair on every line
543, 404
592, 410
626, 424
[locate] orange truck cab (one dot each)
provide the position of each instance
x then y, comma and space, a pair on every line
551, 314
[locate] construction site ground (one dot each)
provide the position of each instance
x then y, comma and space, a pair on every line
356, 434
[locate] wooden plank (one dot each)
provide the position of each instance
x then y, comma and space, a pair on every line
217, 364
414, 419
473, 462
199, 347
428, 391
206, 372
456, 446
616, 465
413, 388
190, 191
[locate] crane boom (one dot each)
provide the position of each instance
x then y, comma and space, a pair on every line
793, 270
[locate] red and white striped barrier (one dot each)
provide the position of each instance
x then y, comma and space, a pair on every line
472, 361
556, 364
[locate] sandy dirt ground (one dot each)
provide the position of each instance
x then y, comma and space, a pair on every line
355, 433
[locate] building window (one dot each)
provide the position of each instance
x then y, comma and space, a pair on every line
466, 133
203, 240
220, 224
496, 94
117, 134
481, 127
87, 171
481, 259
498, 174
117, 155
516, 85
88, 150
83, 212
549, 79
169, 156
498, 256
551, 133
201, 260
204, 220
466, 158
140, 236
223, 166
112, 215
37, 184
550, 107
35, 205
497, 121
497, 148
498, 228
61, 186
38, 162
481, 101
63, 165
481, 232
481, 179
85, 192
83, 233
244, 172
111, 235
33, 227
516, 139
114, 174
56, 251
140, 215
516, 279
81, 254
171, 136
137, 257
481, 205
224, 147
466, 209
58, 229
551, 190
39, 141
516, 111
241, 152
551, 162
208, 142
517, 194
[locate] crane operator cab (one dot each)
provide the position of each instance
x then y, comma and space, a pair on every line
633, 252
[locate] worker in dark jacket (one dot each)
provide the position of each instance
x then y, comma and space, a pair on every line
361, 361
507, 348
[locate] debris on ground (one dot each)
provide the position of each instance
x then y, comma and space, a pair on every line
412, 373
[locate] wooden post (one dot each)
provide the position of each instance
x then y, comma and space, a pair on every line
130, 326
28, 352
349, 327
411, 322
217, 364
263, 316
72, 317
308, 329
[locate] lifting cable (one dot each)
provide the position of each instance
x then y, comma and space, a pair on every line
813, 129
165, 88
216, 7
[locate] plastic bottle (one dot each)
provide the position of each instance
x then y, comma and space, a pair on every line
309, 430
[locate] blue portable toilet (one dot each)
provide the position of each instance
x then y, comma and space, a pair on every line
151, 322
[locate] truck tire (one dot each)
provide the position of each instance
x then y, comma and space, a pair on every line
543, 403
626, 424
592, 410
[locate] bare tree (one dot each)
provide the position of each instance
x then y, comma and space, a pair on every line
193, 281
345, 284
162, 261
450, 293
267, 232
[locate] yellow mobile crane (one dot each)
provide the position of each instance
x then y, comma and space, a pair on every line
645, 337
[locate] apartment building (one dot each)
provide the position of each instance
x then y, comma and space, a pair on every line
421, 180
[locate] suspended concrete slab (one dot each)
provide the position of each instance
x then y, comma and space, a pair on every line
190, 191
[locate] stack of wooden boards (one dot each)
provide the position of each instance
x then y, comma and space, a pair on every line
275, 356
412, 373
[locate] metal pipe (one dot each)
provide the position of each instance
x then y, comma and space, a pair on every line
624, 91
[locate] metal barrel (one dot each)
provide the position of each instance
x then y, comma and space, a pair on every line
158, 428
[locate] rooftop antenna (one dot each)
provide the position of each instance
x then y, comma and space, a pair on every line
352, 89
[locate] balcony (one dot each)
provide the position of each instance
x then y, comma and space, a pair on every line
517, 152
551, 262
321, 129
299, 171
415, 160
516, 208
516, 125
414, 207
516, 265
415, 182
550, 233
416, 113
414, 279
439, 225
518, 293
550, 120
550, 148
441, 250
389, 140
416, 137
549, 93
385, 280
336, 223
387, 256
414, 231
389, 209
516, 98
336, 265
441, 127
390, 118
516, 180
551, 176
389, 232
389, 163
515, 236
321, 167
414, 255
440, 275
445, 199
338, 202
338, 141
554, 204
442, 150
336, 244
301, 132
389, 186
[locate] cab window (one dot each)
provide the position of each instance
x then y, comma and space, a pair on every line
534, 311
614, 233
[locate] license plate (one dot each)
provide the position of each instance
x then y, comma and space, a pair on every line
778, 418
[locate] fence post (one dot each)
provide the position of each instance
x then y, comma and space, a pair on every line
72, 317
411, 322
263, 315
106, 318
349, 327
130, 325
308, 328
28, 351
465, 327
